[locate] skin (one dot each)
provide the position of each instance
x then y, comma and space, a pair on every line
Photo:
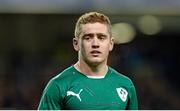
93, 47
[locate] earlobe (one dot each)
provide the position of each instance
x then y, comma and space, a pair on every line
75, 44
112, 44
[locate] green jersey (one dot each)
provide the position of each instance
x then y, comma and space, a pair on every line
73, 90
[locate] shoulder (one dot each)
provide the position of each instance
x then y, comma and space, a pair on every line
64, 76
61, 81
120, 77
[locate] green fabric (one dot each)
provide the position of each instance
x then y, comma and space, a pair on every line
73, 90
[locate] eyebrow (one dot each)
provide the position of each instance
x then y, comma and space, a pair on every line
91, 34
101, 34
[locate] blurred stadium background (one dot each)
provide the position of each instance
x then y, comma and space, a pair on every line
36, 44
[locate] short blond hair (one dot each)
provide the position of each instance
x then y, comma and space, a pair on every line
92, 17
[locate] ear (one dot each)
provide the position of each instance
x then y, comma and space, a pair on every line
111, 44
75, 44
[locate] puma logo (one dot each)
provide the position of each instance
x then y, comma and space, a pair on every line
74, 94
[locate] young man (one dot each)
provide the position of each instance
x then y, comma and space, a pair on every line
90, 84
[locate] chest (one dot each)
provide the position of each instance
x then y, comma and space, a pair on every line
96, 94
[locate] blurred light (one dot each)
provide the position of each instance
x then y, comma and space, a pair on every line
165, 7
149, 25
123, 33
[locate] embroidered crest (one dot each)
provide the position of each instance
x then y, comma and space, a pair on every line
123, 94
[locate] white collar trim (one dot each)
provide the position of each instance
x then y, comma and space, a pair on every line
96, 77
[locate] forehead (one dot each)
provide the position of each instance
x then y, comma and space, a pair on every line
94, 28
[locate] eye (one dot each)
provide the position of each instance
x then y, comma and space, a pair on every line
102, 37
86, 37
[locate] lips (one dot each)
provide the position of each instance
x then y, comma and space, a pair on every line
95, 53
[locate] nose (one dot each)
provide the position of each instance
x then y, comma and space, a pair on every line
95, 43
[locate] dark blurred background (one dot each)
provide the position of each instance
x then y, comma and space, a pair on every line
36, 44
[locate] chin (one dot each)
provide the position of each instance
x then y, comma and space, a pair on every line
96, 61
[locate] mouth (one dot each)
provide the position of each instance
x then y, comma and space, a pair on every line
95, 53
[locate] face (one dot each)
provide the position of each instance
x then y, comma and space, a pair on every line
94, 43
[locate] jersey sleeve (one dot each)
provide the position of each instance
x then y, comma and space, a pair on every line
51, 98
133, 102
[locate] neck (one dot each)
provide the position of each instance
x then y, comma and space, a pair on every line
91, 70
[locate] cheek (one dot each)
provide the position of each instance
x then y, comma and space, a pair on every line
84, 48
105, 49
